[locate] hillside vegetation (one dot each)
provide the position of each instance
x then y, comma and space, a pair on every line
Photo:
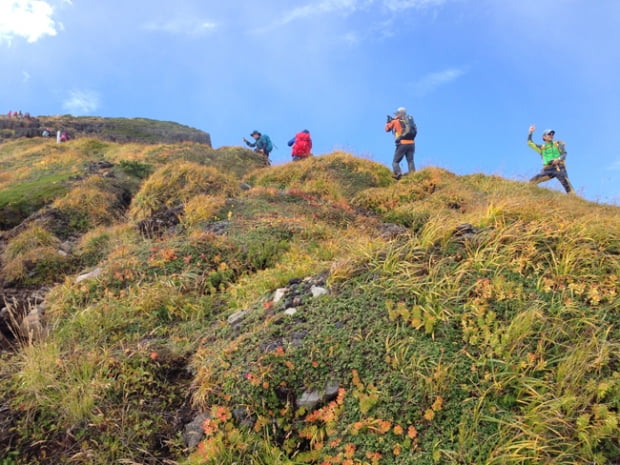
316, 312
124, 130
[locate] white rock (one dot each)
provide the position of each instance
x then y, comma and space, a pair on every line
62, 253
277, 296
237, 317
93, 274
31, 327
290, 311
318, 291
309, 399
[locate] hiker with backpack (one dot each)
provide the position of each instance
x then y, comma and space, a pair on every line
404, 129
301, 144
553, 154
262, 144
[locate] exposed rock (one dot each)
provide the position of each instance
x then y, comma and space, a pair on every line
243, 417
311, 399
331, 390
99, 165
237, 317
465, 231
244, 186
91, 275
391, 230
271, 346
161, 221
217, 227
112, 129
277, 296
31, 328
297, 338
194, 432
318, 291
66, 247
290, 311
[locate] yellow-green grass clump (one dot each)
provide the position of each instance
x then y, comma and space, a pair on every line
99, 242
89, 204
337, 176
177, 183
33, 257
202, 209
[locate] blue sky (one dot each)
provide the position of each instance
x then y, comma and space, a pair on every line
474, 74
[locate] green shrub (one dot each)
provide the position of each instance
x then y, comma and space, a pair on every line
137, 169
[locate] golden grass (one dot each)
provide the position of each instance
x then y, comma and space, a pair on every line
90, 201
201, 209
337, 176
177, 183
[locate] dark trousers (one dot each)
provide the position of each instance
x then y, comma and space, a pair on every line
554, 171
403, 151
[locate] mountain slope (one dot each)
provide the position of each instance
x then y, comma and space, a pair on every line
326, 315
121, 130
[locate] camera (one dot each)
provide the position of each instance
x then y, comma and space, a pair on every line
389, 119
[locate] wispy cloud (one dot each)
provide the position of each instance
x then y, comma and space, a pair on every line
323, 7
25, 76
615, 166
29, 19
430, 82
81, 102
181, 26
346, 7
399, 5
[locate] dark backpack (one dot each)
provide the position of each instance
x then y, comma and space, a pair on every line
410, 130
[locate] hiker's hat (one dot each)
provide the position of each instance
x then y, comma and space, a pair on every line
254, 132
400, 110
548, 131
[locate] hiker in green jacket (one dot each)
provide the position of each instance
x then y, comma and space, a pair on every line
553, 155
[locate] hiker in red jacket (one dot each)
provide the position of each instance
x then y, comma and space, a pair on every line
302, 145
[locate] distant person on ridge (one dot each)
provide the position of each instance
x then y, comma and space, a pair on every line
404, 129
262, 144
302, 145
553, 155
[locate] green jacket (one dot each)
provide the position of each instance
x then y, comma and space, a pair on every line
549, 151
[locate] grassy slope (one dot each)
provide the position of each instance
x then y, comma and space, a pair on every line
498, 347
35, 172
123, 130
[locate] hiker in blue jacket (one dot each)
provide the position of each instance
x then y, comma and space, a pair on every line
262, 144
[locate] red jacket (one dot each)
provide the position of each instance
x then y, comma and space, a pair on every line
302, 145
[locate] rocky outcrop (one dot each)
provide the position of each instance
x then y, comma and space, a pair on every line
120, 130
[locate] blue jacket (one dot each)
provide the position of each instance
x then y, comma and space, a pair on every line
263, 143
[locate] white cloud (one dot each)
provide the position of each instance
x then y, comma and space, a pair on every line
81, 102
25, 76
29, 19
398, 5
347, 7
428, 83
325, 6
181, 26
615, 165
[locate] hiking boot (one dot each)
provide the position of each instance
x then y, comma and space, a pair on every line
397, 176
